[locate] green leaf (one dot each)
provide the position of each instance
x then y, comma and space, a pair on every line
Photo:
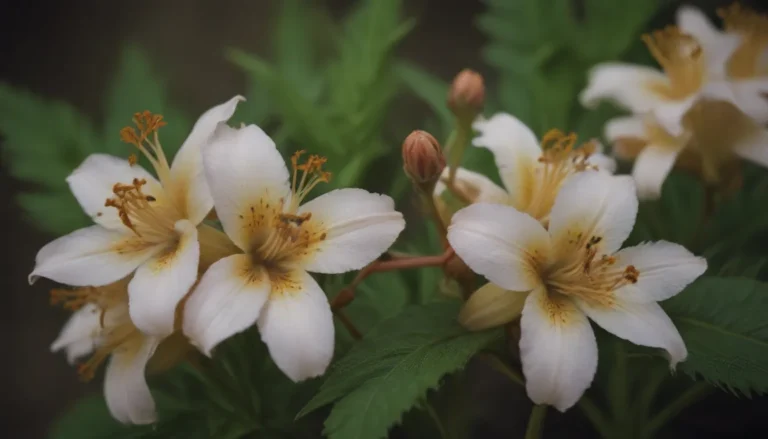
88, 419
137, 88
392, 367
43, 142
432, 90
722, 321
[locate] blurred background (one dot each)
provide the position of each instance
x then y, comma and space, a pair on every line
71, 52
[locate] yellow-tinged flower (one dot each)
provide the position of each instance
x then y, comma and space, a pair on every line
560, 277
716, 134
143, 224
101, 326
259, 204
697, 62
532, 174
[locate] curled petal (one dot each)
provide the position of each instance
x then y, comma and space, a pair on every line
125, 386
491, 306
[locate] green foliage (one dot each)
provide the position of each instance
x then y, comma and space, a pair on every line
335, 106
45, 140
722, 321
543, 49
392, 367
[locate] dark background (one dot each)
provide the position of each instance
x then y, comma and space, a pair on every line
69, 50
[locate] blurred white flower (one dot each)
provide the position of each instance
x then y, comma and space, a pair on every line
101, 325
145, 225
532, 176
259, 205
575, 271
715, 135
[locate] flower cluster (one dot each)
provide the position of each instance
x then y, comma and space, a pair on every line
154, 279
704, 111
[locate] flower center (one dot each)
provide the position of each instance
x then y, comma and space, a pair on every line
148, 125
748, 60
140, 213
290, 235
584, 275
560, 159
681, 58
115, 332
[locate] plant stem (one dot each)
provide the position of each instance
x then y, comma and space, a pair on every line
618, 386
428, 200
536, 422
595, 416
649, 391
690, 396
496, 363
436, 419
455, 146
351, 328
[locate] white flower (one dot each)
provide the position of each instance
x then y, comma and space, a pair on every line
743, 47
102, 325
281, 240
573, 271
531, 175
704, 147
692, 71
142, 224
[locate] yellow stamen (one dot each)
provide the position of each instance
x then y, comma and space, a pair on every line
312, 175
148, 125
136, 211
745, 62
680, 56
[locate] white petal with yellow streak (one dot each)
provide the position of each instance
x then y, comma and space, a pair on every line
558, 350
478, 187
651, 168
228, 300
593, 205
358, 226
91, 256
515, 149
125, 387
627, 85
187, 178
80, 334
91, 183
160, 283
244, 171
297, 326
644, 324
665, 268
500, 243
491, 306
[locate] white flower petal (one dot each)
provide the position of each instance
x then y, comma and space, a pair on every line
243, 168
359, 226
751, 97
91, 183
644, 324
187, 184
481, 188
515, 149
754, 147
625, 84
161, 282
651, 168
297, 326
603, 162
558, 350
716, 45
228, 300
79, 335
669, 115
625, 127
665, 269
91, 256
593, 205
125, 386
502, 244
491, 306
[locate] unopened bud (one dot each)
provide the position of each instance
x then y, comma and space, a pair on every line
423, 159
467, 94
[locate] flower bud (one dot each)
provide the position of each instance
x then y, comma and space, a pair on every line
423, 159
467, 94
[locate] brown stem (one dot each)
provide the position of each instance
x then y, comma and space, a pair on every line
353, 331
428, 199
347, 294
